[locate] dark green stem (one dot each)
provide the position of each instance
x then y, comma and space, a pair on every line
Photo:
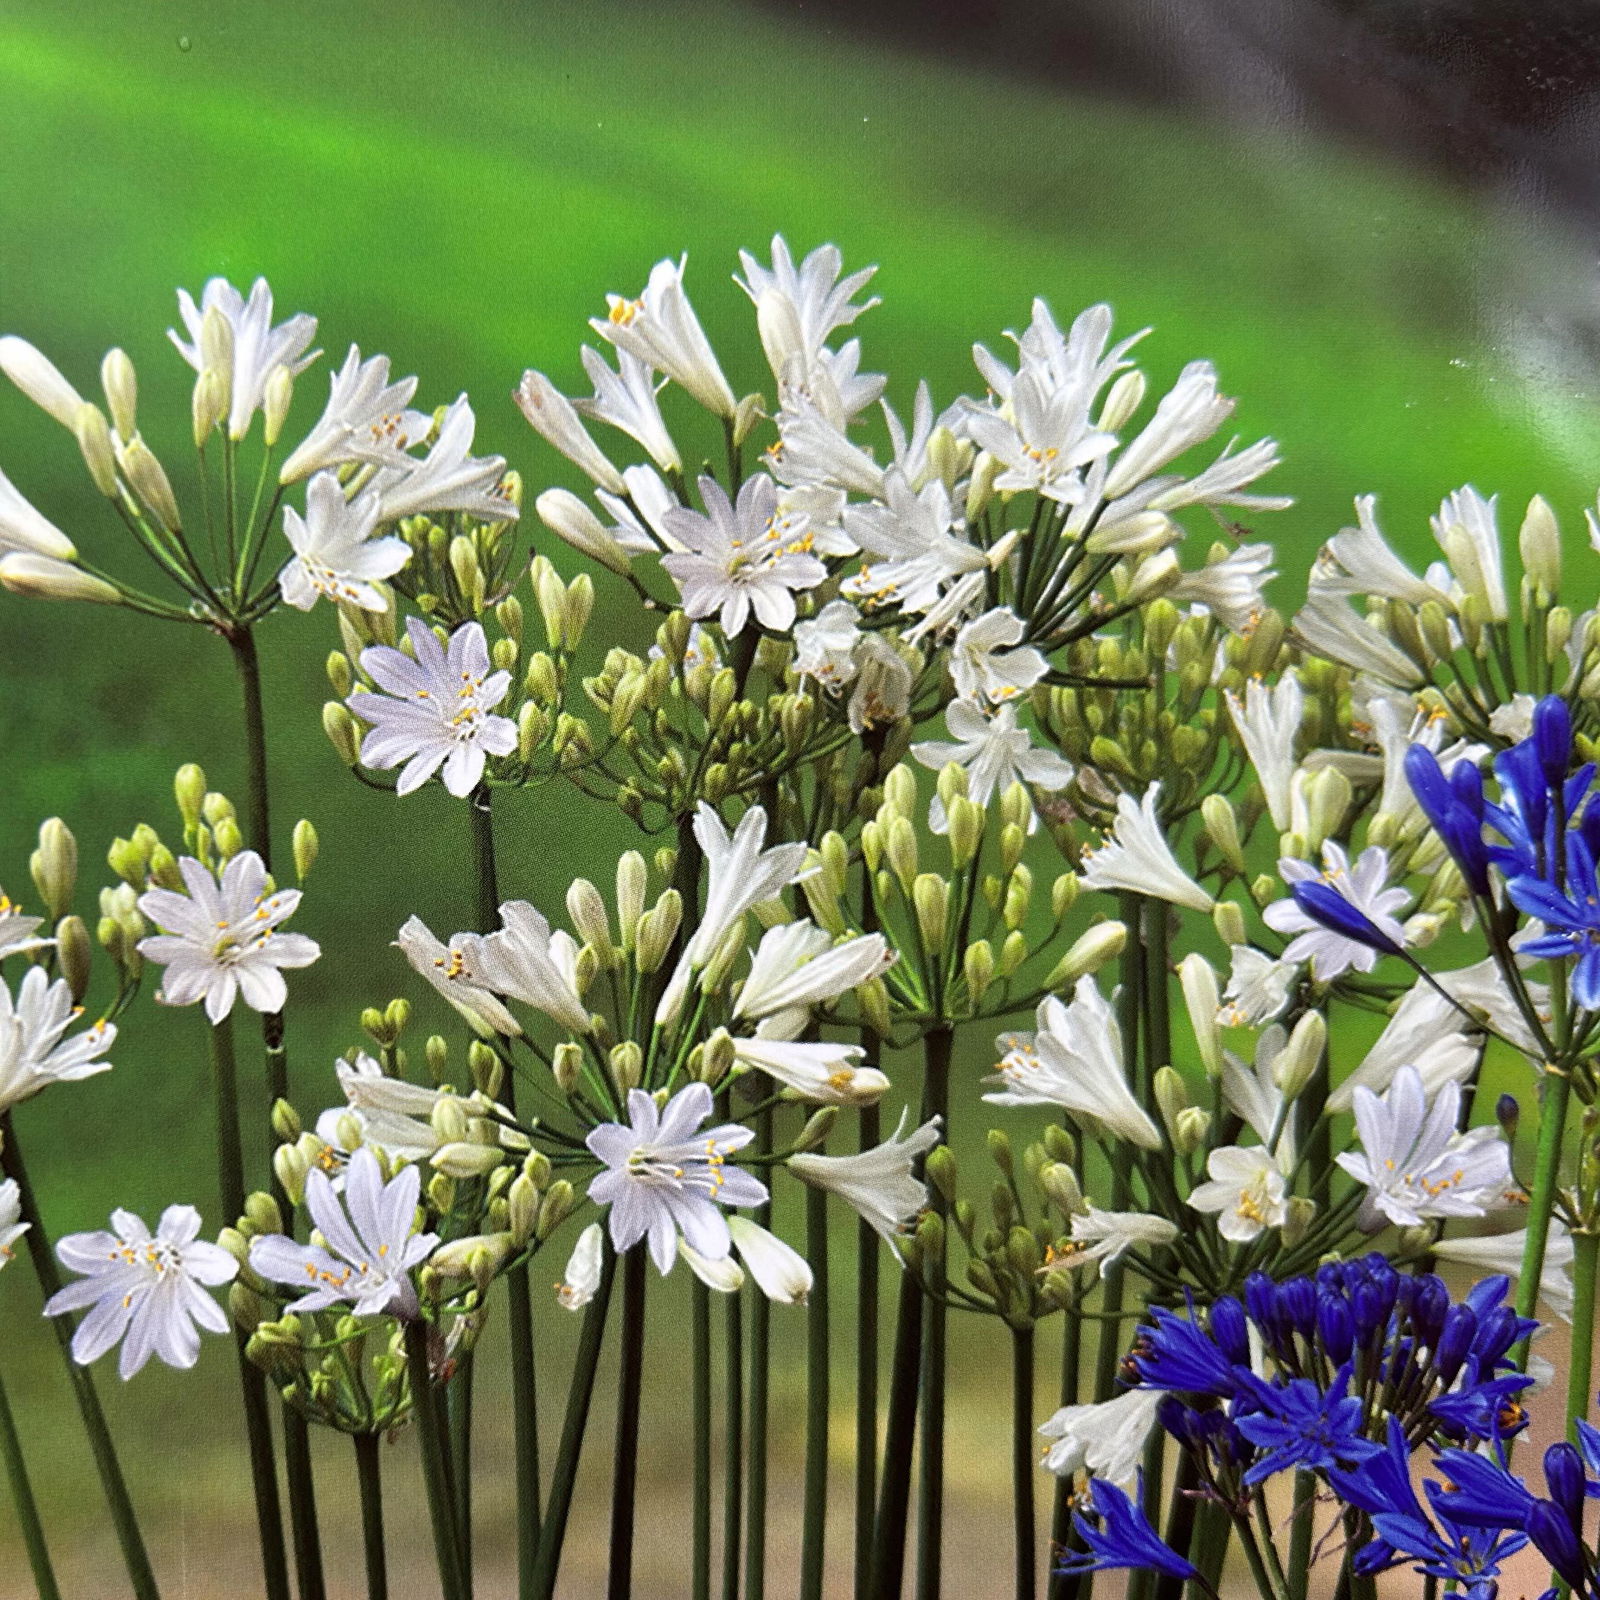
894, 1495
814, 1518
458, 1414
867, 1247
1585, 1259
937, 1049
755, 1550
624, 1483
258, 830
1300, 1533
140, 1576
1022, 1468
44, 1578
1541, 1202
369, 1474
580, 1394
700, 1541
435, 1476
733, 1452
1180, 1530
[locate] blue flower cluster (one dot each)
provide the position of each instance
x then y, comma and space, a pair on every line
1333, 1374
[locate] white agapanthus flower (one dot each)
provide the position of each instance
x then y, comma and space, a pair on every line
662, 330
780, 1271
883, 682
797, 966
523, 960
23, 527
1105, 1235
1074, 1060
821, 300
877, 1184
581, 1281
825, 645
554, 417
1250, 1091
146, 1290
821, 1072
993, 752
364, 1248
737, 559
448, 968
448, 478
1268, 722
335, 555
258, 347
1232, 588
436, 709
989, 660
1364, 885
627, 400
1466, 531
1248, 1192
1137, 857
1105, 1440
1425, 1032
664, 1176
1502, 1253
917, 546
1326, 626
1415, 1164
41, 380
367, 419
1360, 561
35, 1050
1258, 988
18, 931
221, 941
814, 451
12, 1227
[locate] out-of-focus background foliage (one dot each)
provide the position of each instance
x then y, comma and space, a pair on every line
1375, 220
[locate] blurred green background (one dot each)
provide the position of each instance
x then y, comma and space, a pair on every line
458, 187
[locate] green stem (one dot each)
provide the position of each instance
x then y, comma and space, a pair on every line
1300, 1533
733, 1452
44, 1578
814, 1519
430, 1436
1180, 1530
755, 1554
1585, 1260
580, 1394
248, 664
252, 1380
369, 1474
1541, 1202
700, 1336
1022, 1468
304, 1528
624, 1483
867, 1260
894, 1496
458, 1412
937, 1051
140, 1576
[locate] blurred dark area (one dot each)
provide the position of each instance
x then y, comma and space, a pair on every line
1503, 94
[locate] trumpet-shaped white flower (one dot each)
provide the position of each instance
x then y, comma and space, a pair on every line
822, 1072
1074, 1060
989, 660
23, 527
366, 419
1502, 1253
1248, 1192
824, 647
1416, 1166
38, 377
821, 300
883, 681
556, 420
1077, 361
781, 1272
1105, 1440
221, 940
34, 1048
1258, 988
797, 965
1222, 483
436, 709
1466, 531
1360, 561
335, 554
1326, 626
1363, 885
1105, 1235
877, 1184
1232, 589
1425, 1032
663, 1176
993, 751
448, 478
523, 960
12, 1227
1137, 857
1190, 412
661, 329
148, 1291
1044, 443
258, 347
363, 1250
1268, 723
918, 542
450, 971
627, 400
581, 1281
737, 558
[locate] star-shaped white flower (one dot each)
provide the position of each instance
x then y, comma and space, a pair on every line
989, 661
335, 555
1137, 857
34, 1048
1248, 1192
662, 330
366, 419
993, 751
448, 478
879, 1184
1364, 885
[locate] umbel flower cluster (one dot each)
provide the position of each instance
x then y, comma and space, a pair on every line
972, 764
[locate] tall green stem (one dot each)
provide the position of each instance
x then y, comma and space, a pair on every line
1059, 1585
248, 664
580, 1395
755, 1553
1300, 1533
1580, 1370
1022, 1458
252, 1380
369, 1475
1541, 1202
630, 1384
894, 1495
733, 1452
435, 1473
867, 1259
700, 1355
814, 1522
140, 1576
44, 1578
937, 1050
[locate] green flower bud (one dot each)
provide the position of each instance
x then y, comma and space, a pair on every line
554, 1208
277, 396
1198, 979
941, 1172
229, 840
901, 849
1222, 829
818, 1126
627, 1066
289, 1166
522, 1209
1302, 1212
1228, 920
1013, 952
340, 728
163, 869
487, 1069
75, 954
1060, 1184
873, 998
149, 481
1301, 1058
930, 895
588, 912
286, 1126
1000, 1151
208, 405
566, 1065
978, 968
578, 608
1090, 951
462, 1158
1540, 543
55, 866
1172, 1096
1189, 1130
900, 791
965, 834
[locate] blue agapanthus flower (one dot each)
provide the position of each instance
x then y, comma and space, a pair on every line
1571, 916
1117, 1533
1302, 1424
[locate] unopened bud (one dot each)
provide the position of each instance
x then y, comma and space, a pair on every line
340, 728
818, 1126
1540, 544
1198, 979
566, 1065
977, 967
1172, 1096
627, 1066
930, 895
75, 954
276, 398
99, 454
1301, 1058
554, 1208
1090, 951
1189, 1130
55, 866
1302, 1211
1222, 828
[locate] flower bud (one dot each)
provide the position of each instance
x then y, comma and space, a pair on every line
966, 820
1060, 1184
487, 1069
1189, 1129
1172, 1096
554, 417
99, 454
276, 398
873, 998
1222, 828
75, 954
1123, 398
228, 838
1090, 951
55, 866
289, 1166
818, 1126
285, 1121
1228, 920
588, 912
1302, 1211
304, 846
554, 1208
977, 967
340, 728
1540, 544
45, 578
1198, 979
566, 516
460, 1158
901, 849
900, 791
658, 927
1300, 1060
627, 1066
148, 479
39, 379
208, 406
930, 894
566, 1065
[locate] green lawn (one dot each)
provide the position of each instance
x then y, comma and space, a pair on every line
459, 187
